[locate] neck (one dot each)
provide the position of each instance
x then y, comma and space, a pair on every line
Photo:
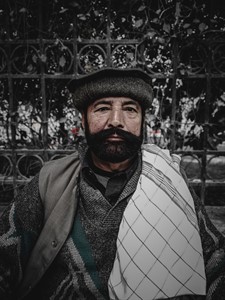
110, 167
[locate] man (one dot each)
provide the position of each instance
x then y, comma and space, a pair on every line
117, 220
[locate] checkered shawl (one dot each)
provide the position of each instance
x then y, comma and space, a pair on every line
159, 252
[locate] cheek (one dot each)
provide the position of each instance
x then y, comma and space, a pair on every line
134, 126
95, 124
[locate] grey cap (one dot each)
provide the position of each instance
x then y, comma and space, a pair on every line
111, 82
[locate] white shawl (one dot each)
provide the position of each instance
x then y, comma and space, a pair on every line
159, 251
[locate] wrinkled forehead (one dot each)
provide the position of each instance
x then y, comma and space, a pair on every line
115, 101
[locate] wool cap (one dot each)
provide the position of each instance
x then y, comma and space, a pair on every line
111, 82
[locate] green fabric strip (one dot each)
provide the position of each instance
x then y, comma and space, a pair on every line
80, 240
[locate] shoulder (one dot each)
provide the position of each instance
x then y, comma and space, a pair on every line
154, 149
55, 175
154, 152
61, 163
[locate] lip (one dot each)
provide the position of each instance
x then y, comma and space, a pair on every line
115, 138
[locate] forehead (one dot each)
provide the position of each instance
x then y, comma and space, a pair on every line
116, 101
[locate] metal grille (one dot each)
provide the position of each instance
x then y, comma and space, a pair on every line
43, 44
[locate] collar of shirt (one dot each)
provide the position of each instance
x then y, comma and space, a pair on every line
110, 184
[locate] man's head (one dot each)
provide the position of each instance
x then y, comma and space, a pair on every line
112, 103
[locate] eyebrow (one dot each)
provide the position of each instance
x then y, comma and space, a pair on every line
103, 101
129, 102
108, 102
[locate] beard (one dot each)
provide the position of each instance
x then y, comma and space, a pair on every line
113, 151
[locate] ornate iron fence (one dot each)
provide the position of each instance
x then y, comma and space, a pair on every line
43, 45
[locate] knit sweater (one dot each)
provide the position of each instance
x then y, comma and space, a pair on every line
82, 267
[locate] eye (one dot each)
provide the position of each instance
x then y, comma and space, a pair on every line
102, 109
131, 109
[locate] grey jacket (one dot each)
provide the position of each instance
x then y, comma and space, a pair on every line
57, 187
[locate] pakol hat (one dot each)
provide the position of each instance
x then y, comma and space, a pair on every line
111, 82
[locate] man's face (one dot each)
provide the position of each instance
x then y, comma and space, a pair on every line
113, 128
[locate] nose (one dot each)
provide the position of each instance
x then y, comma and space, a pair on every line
116, 118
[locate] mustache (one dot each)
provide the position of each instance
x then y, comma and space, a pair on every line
127, 136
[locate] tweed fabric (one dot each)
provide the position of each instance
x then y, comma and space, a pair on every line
21, 223
133, 83
20, 226
73, 274
82, 267
101, 220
